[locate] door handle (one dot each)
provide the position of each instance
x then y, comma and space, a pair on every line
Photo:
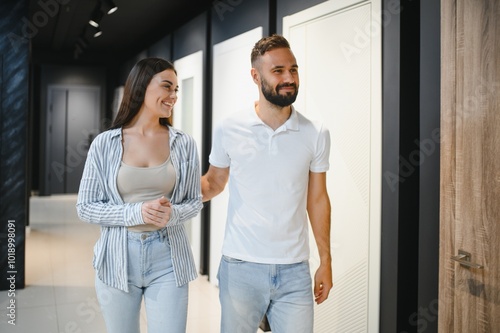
463, 258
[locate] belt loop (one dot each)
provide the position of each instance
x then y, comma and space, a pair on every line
162, 234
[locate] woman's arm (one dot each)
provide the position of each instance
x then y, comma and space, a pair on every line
186, 200
95, 203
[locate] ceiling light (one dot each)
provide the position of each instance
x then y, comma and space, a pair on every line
96, 17
97, 32
109, 6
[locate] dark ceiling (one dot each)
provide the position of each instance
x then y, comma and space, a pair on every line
136, 25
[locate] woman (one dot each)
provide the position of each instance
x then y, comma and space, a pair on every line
141, 183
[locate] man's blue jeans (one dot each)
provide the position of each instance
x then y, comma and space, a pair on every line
249, 290
151, 276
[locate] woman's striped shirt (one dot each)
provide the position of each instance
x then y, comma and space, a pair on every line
100, 203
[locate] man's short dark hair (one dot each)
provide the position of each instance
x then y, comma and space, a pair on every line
267, 44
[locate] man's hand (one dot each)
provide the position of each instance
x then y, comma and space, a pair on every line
322, 283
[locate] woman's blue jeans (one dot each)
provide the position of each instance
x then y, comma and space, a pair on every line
150, 275
249, 290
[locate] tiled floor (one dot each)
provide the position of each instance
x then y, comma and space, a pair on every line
59, 296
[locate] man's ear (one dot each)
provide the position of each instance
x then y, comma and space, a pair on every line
255, 75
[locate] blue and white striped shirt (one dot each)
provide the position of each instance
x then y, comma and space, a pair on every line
100, 203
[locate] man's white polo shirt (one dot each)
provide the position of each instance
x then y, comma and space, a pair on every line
269, 172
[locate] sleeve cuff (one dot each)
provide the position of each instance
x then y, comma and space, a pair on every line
133, 214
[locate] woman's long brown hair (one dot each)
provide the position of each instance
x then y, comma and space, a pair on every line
135, 89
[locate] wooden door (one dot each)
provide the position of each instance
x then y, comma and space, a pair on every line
469, 299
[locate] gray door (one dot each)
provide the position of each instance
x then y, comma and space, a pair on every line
73, 122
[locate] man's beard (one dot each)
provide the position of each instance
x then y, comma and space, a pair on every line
274, 97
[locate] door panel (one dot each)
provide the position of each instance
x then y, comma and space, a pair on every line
470, 160
57, 139
72, 123
82, 127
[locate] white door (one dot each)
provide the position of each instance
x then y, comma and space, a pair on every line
337, 45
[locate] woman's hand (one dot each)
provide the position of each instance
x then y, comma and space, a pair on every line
156, 212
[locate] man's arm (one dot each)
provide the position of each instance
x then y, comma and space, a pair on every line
213, 182
319, 210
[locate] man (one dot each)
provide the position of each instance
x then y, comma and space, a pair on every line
276, 161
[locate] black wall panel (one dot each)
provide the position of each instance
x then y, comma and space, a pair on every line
430, 114
161, 49
410, 188
14, 94
409, 170
390, 168
233, 17
192, 37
